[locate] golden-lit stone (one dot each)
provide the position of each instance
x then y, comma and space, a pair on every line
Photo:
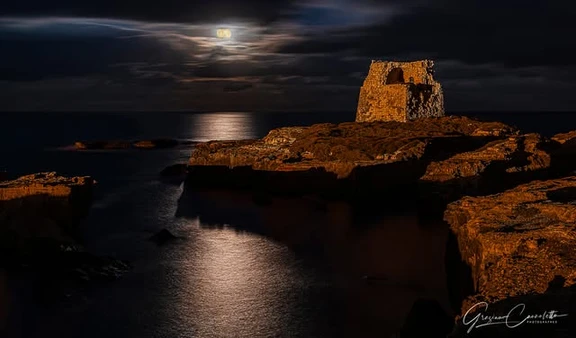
400, 91
519, 241
42, 206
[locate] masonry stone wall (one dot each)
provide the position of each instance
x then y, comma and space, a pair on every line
400, 91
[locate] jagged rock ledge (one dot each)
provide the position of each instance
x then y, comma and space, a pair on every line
43, 205
442, 158
519, 246
39, 217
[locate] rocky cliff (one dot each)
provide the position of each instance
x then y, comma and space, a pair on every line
42, 206
519, 244
518, 241
442, 158
39, 219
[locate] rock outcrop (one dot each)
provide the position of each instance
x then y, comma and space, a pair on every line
441, 158
518, 242
89, 145
564, 155
42, 206
400, 91
141, 144
568, 139
39, 218
494, 167
157, 143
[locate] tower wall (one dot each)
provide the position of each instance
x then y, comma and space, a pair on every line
419, 96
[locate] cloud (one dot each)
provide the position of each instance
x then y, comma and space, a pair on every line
181, 11
515, 33
302, 55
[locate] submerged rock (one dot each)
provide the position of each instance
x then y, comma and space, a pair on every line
518, 242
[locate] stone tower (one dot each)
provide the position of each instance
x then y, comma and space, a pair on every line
400, 91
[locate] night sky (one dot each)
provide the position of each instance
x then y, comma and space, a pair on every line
308, 55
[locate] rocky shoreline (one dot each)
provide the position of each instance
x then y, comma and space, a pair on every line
39, 218
138, 144
437, 159
508, 197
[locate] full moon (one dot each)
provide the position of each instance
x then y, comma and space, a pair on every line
224, 33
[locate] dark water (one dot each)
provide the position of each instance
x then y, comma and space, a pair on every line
288, 270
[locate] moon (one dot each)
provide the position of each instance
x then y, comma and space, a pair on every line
224, 33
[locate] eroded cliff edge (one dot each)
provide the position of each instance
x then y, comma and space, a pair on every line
422, 163
42, 206
519, 245
39, 219
436, 158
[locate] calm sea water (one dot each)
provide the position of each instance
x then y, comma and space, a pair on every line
242, 270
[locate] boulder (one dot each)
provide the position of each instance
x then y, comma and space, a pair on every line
518, 242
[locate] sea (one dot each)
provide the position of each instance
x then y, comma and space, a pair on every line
239, 269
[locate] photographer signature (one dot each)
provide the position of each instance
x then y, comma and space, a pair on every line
512, 319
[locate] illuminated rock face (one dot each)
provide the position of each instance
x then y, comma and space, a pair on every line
400, 91
42, 206
517, 242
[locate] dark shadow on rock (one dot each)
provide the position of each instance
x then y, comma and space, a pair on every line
556, 283
562, 158
43, 216
562, 195
435, 196
393, 183
393, 186
458, 274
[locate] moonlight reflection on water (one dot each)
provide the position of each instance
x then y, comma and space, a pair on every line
222, 126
